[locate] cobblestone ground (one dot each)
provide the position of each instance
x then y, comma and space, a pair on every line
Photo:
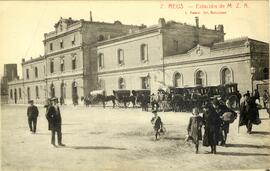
118, 139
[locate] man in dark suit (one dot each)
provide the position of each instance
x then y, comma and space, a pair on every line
55, 122
32, 114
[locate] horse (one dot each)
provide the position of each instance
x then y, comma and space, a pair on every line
102, 98
127, 99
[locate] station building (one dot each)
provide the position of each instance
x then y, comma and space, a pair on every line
180, 55
81, 56
68, 67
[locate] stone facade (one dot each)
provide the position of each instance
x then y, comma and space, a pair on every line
173, 59
81, 56
69, 62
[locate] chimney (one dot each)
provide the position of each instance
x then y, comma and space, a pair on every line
197, 21
161, 22
23, 60
91, 19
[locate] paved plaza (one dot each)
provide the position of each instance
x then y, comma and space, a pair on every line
120, 139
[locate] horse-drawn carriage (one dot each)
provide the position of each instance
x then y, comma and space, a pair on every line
124, 97
186, 98
141, 96
98, 97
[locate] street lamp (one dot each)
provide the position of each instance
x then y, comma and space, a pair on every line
252, 71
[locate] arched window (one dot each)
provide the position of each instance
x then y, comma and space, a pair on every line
37, 92
74, 62
266, 73
11, 94
101, 37
121, 83
226, 76
120, 55
200, 79
101, 60
177, 80
74, 89
144, 52
36, 72
52, 90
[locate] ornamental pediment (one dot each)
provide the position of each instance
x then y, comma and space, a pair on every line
199, 50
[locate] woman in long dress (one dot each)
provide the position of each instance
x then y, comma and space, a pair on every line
212, 123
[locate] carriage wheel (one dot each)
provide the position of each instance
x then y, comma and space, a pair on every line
127, 103
234, 102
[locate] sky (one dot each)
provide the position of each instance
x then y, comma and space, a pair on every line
23, 24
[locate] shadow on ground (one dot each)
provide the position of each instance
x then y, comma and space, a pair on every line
174, 138
248, 146
241, 154
95, 148
260, 132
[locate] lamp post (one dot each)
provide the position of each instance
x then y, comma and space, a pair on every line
252, 71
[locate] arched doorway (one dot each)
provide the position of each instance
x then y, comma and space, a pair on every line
74, 90
28, 94
52, 90
15, 96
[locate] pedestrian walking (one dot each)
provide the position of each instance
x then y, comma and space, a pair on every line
249, 113
55, 122
158, 125
256, 95
265, 99
194, 128
32, 114
211, 128
227, 115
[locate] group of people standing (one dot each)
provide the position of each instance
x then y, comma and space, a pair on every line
216, 119
53, 115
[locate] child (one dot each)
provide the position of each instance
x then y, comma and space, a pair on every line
194, 128
158, 125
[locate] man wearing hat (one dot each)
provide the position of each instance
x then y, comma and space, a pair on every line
55, 121
32, 114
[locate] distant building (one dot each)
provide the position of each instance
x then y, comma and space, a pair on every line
10, 73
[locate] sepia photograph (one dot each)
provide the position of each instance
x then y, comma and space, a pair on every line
135, 85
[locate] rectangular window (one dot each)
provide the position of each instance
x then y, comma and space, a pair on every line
36, 72
120, 54
61, 44
27, 73
62, 64
145, 83
51, 66
175, 45
101, 60
51, 46
144, 52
